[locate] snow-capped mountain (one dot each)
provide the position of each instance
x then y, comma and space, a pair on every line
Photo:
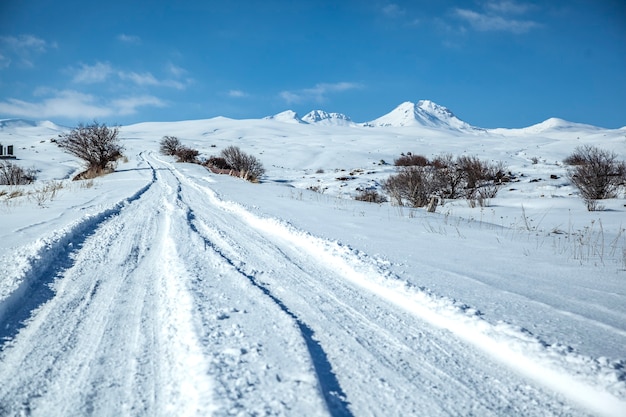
288, 116
555, 123
423, 113
4, 123
331, 119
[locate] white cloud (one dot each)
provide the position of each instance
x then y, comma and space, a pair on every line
147, 79
129, 105
22, 47
103, 71
507, 7
393, 10
237, 94
25, 43
5, 62
75, 105
175, 70
91, 74
132, 39
140, 79
317, 93
490, 22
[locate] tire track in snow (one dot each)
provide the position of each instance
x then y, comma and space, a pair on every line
334, 396
595, 385
117, 338
43, 263
389, 362
332, 392
184, 348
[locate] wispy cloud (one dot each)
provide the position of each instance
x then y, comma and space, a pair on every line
492, 22
497, 15
103, 71
5, 62
140, 79
25, 43
147, 79
76, 105
129, 105
237, 94
393, 11
91, 74
318, 93
131, 39
175, 70
507, 7
23, 48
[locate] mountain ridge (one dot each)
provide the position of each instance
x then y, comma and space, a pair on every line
424, 113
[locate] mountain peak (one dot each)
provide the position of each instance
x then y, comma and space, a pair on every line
322, 117
423, 113
288, 116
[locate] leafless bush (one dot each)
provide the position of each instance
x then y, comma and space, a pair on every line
248, 166
577, 157
412, 184
217, 163
370, 196
169, 145
316, 188
97, 144
186, 154
46, 193
597, 175
411, 160
450, 177
446, 177
12, 174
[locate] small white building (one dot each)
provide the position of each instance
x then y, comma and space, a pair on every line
6, 151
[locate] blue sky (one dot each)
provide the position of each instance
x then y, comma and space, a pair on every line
494, 63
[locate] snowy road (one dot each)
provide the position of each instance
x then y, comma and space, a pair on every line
177, 301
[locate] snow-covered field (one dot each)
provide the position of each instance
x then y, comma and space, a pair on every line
164, 289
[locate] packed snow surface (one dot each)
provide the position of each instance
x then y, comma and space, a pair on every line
163, 289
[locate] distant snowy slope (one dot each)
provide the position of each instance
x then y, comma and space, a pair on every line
551, 125
423, 113
12, 124
288, 116
328, 119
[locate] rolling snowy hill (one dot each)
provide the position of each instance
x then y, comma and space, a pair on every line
163, 289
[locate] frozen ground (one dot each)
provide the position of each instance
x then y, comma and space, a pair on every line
163, 289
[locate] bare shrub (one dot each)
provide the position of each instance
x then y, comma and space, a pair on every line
370, 196
411, 160
413, 185
577, 157
186, 154
316, 188
12, 174
46, 193
446, 177
597, 175
97, 144
482, 179
169, 145
450, 177
248, 166
217, 163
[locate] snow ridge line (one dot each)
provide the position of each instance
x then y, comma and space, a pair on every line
27, 286
598, 385
333, 394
